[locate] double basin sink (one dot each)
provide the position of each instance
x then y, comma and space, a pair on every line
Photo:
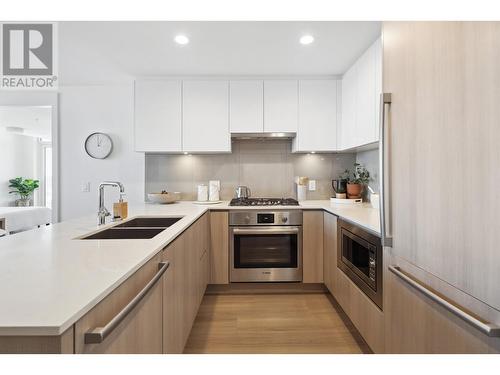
138, 228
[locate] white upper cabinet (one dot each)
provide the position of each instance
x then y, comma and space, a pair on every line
158, 116
317, 125
246, 106
365, 98
377, 46
361, 88
348, 117
280, 106
206, 116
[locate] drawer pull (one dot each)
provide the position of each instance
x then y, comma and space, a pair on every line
489, 329
99, 334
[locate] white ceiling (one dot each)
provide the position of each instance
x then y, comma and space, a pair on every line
96, 51
35, 121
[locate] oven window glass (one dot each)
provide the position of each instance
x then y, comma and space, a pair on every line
357, 254
265, 251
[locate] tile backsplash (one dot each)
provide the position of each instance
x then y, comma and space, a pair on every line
267, 167
369, 159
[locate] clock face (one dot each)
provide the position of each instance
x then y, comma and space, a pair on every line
98, 145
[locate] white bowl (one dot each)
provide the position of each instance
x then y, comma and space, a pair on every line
164, 198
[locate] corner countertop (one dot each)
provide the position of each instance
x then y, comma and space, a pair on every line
363, 215
49, 278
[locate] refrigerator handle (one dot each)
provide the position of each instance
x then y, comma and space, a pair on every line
385, 102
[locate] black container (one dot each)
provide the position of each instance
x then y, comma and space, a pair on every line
339, 186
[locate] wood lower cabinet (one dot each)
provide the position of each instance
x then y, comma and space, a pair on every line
312, 248
219, 248
184, 286
161, 321
173, 296
140, 331
62, 344
365, 315
329, 251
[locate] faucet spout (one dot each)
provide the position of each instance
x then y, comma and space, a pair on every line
102, 210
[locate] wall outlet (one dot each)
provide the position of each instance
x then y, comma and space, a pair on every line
86, 187
312, 185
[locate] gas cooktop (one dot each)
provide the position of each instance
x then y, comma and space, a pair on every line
263, 202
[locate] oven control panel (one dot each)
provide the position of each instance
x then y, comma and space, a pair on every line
261, 217
265, 218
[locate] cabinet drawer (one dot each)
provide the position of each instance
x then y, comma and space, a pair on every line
365, 315
140, 331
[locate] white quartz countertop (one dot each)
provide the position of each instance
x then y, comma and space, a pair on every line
363, 215
49, 278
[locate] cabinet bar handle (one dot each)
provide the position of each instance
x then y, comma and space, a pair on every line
99, 334
489, 329
385, 101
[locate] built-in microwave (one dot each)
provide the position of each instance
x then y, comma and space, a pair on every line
359, 256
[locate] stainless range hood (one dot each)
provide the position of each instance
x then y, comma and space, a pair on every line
263, 136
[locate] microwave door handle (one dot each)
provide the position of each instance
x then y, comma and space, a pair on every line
385, 230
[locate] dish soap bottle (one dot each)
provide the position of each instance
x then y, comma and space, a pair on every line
120, 209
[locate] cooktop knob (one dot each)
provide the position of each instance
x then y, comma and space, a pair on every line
284, 219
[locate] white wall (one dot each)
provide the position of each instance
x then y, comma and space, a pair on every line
18, 156
98, 108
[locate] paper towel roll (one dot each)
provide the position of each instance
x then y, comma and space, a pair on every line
213, 190
202, 193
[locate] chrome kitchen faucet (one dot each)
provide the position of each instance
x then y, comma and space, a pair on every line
103, 212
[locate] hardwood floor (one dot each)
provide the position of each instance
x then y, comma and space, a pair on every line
273, 323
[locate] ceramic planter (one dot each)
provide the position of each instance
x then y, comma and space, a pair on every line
26, 202
354, 191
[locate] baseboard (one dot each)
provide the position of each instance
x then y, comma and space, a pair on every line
266, 288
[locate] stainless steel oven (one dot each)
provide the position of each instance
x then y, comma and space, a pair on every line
265, 246
359, 255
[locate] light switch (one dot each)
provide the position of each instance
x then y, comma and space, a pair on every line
86, 187
312, 185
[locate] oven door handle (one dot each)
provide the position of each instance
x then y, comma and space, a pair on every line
244, 231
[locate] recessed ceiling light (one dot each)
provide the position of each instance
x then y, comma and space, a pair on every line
306, 39
181, 39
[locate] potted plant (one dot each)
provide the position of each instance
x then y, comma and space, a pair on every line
24, 188
356, 181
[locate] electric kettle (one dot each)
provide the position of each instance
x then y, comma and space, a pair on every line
243, 192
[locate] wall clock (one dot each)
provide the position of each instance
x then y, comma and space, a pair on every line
98, 145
